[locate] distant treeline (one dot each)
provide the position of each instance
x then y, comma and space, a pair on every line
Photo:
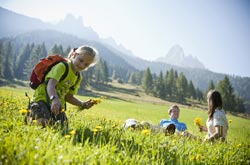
17, 62
175, 87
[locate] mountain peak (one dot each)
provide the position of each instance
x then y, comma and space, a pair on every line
176, 56
119, 47
75, 25
71, 21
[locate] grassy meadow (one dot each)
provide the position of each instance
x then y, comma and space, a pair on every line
96, 136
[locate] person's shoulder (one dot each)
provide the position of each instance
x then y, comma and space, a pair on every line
219, 112
56, 71
182, 126
182, 123
219, 115
61, 65
164, 120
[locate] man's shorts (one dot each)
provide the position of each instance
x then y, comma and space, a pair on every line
41, 110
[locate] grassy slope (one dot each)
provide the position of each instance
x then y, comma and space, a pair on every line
127, 105
126, 101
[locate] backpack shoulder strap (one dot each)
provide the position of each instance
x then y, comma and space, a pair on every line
78, 79
66, 71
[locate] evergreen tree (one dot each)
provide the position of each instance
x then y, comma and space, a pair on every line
60, 51
101, 72
22, 58
105, 72
97, 72
127, 76
138, 77
87, 76
159, 88
8, 63
227, 94
176, 74
32, 46
199, 94
170, 85
2, 59
34, 58
55, 50
240, 107
44, 52
181, 90
147, 81
132, 79
211, 86
66, 52
191, 93
114, 75
167, 85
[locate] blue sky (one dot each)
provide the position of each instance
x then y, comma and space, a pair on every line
217, 32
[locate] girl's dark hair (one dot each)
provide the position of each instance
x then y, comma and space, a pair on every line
214, 101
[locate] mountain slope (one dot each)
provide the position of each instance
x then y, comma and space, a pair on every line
200, 77
176, 56
52, 37
12, 24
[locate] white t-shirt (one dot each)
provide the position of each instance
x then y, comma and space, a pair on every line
219, 119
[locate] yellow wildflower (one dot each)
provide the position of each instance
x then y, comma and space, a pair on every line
239, 145
67, 136
94, 130
72, 132
96, 101
145, 132
198, 156
34, 121
114, 125
98, 127
23, 111
191, 158
197, 121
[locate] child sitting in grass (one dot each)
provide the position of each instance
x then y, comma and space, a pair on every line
217, 123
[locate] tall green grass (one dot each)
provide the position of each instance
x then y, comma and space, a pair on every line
96, 136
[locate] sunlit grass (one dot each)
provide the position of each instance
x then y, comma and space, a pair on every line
96, 136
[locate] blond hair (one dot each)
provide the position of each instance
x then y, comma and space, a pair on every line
85, 49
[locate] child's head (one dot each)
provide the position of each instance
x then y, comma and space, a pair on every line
83, 57
214, 101
174, 111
